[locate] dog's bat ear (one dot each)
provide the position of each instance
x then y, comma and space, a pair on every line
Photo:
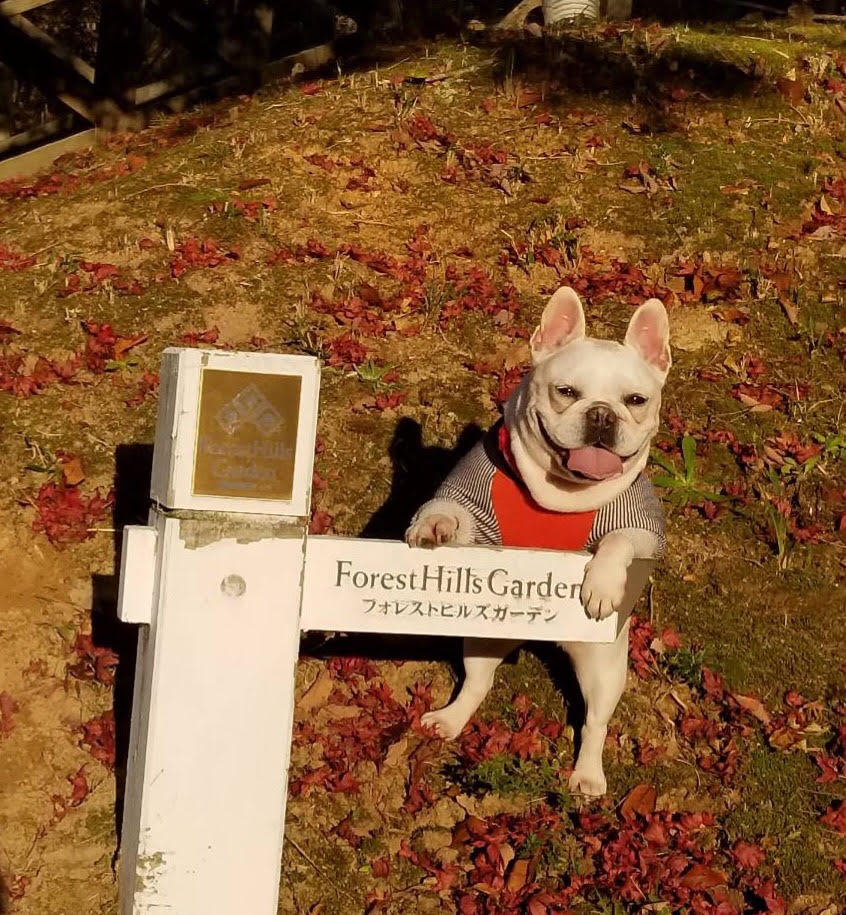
649, 334
562, 322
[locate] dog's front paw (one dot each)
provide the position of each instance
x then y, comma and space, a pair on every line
603, 587
432, 530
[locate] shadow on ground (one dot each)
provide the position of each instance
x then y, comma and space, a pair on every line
133, 469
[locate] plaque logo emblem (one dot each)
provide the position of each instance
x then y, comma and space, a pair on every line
246, 434
250, 406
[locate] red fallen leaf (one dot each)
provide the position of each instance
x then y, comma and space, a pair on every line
98, 737
345, 830
714, 684
710, 510
640, 800
311, 88
8, 708
445, 875
656, 834
775, 905
147, 386
200, 337
840, 864
381, 867
65, 515
671, 639
18, 886
389, 401
345, 784
647, 753
747, 854
197, 253
103, 345
14, 261
731, 315
835, 817
701, 877
345, 352
321, 161
99, 271
79, 787
124, 344
829, 770
94, 662
321, 522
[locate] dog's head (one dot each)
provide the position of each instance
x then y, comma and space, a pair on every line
589, 408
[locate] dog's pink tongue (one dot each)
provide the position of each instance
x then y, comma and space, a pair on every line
594, 463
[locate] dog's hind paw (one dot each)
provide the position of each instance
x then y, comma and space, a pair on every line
432, 530
446, 724
588, 782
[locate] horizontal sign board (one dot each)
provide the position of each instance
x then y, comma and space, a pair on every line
487, 592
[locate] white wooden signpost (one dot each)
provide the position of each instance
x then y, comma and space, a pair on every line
223, 579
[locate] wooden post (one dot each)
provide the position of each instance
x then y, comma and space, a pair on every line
120, 48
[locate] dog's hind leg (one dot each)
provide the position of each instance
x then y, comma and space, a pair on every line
601, 671
481, 659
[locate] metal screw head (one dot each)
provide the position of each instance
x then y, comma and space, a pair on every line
233, 586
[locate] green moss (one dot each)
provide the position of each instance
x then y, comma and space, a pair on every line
778, 804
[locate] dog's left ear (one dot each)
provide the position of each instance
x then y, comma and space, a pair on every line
562, 321
649, 334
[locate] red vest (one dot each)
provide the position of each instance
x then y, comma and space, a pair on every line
522, 522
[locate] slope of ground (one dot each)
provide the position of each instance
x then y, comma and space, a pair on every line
406, 222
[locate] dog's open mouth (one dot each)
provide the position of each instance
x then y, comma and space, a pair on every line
591, 462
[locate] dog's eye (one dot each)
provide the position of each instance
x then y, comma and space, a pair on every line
635, 400
566, 391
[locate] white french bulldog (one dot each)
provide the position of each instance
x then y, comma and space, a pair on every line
574, 440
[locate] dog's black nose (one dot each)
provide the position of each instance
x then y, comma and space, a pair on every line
600, 425
601, 416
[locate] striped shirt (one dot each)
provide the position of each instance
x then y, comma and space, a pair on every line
485, 483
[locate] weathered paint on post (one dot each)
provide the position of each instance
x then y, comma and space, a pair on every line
212, 716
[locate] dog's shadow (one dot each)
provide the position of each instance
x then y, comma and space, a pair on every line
417, 471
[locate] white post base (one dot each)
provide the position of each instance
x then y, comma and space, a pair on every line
204, 811
560, 10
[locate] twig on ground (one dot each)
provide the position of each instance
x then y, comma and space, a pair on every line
320, 871
157, 187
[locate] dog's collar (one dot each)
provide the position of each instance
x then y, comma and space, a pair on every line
498, 448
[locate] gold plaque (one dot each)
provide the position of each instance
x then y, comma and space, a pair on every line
246, 435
